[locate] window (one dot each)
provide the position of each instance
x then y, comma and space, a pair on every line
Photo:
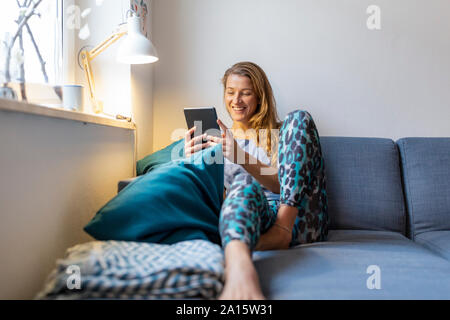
36, 56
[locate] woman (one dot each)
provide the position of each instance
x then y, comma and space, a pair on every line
275, 182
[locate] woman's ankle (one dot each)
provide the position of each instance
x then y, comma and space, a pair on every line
275, 238
237, 251
286, 216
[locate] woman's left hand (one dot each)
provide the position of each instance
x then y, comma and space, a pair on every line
230, 148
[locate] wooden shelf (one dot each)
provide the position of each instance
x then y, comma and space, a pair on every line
23, 107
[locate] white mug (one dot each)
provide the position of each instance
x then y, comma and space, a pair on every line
73, 97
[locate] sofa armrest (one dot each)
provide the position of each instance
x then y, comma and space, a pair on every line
123, 183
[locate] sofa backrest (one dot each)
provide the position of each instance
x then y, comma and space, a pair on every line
364, 184
426, 179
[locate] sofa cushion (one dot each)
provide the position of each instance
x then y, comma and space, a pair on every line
340, 268
426, 172
437, 241
363, 184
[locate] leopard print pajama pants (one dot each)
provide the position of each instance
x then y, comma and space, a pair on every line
246, 213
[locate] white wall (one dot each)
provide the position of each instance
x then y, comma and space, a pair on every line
124, 89
112, 79
319, 55
142, 98
55, 175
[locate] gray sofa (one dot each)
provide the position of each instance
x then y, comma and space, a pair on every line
389, 208
389, 237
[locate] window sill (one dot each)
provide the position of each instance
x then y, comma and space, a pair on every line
23, 107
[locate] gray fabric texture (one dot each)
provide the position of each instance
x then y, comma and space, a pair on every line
338, 268
363, 184
134, 270
436, 241
426, 174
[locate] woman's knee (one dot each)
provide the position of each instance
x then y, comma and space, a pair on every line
299, 121
245, 195
245, 185
298, 132
298, 116
300, 156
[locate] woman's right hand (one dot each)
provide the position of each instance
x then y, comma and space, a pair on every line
192, 145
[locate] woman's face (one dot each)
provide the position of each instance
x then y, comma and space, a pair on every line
240, 98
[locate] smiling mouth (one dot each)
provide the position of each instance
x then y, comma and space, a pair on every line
239, 108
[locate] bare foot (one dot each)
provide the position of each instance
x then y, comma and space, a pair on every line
241, 277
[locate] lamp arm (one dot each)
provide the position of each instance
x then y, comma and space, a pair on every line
96, 105
87, 57
106, 43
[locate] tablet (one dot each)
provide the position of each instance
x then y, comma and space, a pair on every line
204, 118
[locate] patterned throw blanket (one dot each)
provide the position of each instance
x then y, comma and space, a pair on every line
132, 270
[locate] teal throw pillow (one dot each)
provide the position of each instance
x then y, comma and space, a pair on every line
178, 201
173, 151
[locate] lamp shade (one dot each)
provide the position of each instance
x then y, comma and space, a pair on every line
136, 48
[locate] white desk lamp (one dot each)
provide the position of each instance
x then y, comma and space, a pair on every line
136, 49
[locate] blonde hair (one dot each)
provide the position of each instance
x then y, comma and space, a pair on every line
265, 119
